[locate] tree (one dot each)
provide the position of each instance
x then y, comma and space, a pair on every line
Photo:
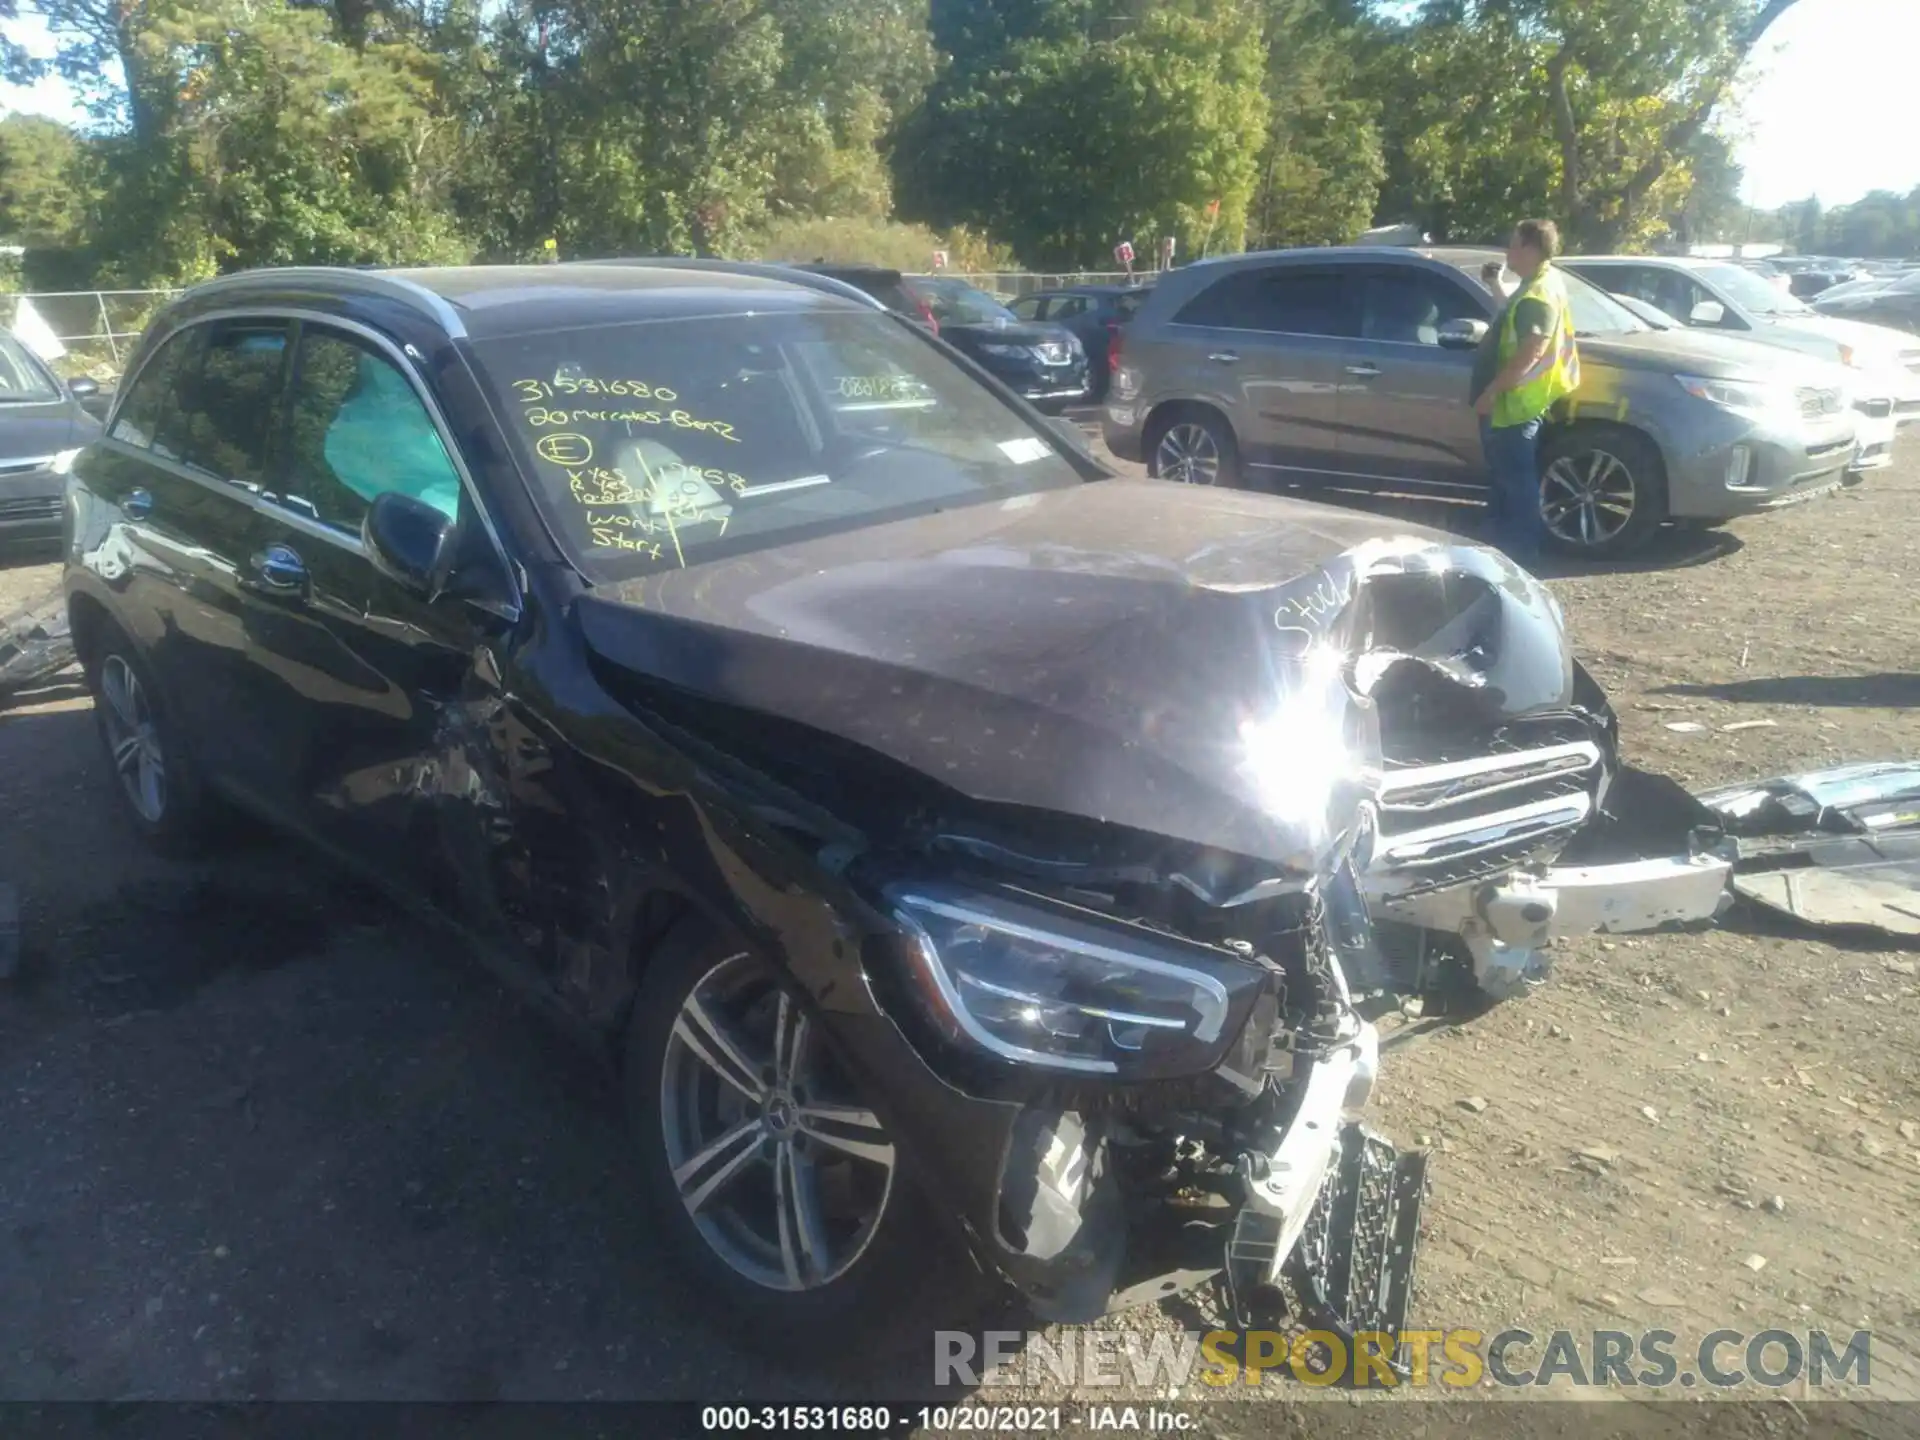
1597, 105
1064, 129
1322, 165
42, 201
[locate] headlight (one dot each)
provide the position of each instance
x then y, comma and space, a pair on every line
1066, 989
63, 462
1007, 352
1750, 397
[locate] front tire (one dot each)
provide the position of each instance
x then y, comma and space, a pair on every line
158, 786
1194, 447
776, 1189
1602, 491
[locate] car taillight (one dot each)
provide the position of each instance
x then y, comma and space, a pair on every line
1114, 332
926, 314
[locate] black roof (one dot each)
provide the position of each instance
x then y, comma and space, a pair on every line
485, 301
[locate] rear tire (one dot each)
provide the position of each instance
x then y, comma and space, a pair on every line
154, 777
817, 1246
1603, 490
1193, 446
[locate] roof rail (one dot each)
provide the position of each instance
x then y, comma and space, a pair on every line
368, 282
763, 269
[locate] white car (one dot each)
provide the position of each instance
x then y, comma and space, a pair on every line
1722, 297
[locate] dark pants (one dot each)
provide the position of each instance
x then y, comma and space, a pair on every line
1513, 486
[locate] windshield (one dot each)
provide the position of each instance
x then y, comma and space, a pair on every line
1595, 312
22, 378
956, 302
657, 445
1750, 291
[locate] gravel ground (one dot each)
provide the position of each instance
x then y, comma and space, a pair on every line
262, 1138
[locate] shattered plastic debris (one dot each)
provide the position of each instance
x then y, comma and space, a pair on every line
35, 643
1685, 727
1830, 847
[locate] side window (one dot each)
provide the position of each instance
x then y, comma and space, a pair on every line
1286, 301
1030, 307
356, 429
1068, 305
1409, 306
228, 408
1691, 292
145, 413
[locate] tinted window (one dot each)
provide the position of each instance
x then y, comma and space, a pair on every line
1068, 305
1292, 302
229, 406
1030, 307
660, 444
355, 430
148, 403
22, 378
1124, 306
960, 303
1409, 306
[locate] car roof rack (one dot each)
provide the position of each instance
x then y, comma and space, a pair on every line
762, 269
348, 277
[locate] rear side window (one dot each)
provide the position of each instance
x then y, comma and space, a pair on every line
356, 430
1068, 305
149, 402
1284, 301
228, 409
1125, 307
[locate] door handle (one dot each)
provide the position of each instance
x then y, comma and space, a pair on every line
280, 568
1366, 372
138, 504
1224, 357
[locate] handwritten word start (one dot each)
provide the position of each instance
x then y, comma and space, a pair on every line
540, 416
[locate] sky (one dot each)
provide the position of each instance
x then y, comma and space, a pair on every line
1819, 116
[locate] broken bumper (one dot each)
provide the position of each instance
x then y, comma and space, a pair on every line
1645, 855
1507, 923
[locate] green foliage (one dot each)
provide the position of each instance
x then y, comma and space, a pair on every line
893, 243
42, 204
1065, 129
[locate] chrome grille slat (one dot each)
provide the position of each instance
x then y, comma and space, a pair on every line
1433, 787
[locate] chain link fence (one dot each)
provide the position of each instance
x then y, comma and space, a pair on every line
98, 327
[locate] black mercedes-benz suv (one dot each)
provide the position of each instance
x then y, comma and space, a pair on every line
952, 848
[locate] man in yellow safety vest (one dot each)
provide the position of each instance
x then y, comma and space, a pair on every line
1527, 362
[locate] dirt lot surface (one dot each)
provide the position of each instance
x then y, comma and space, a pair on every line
262, 1138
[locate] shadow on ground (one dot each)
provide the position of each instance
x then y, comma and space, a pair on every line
1882, 691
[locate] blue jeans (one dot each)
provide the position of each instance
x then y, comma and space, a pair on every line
1513, 486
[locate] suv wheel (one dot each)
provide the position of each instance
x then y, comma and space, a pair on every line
158, 786
1194, 447
778, 1188
1602, 492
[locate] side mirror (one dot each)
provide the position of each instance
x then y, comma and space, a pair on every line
409, 542
1461, 334
1707, 312
83, 387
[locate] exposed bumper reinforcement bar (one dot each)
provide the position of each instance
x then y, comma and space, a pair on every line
1507, 921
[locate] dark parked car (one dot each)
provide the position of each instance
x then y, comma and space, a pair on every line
1892, 300
889, 287
43, 425
1043, 362
1094, 313
946, 843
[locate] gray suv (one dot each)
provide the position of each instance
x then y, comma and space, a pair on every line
1350, 367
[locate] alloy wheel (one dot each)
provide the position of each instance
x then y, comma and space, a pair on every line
1586, 499
133, 741
1188, 453
785, 1176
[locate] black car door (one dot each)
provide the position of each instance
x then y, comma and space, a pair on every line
177, 478
372, 690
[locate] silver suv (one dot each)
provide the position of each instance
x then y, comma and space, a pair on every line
1350, 367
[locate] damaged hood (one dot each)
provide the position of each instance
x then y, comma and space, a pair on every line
1191, 663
